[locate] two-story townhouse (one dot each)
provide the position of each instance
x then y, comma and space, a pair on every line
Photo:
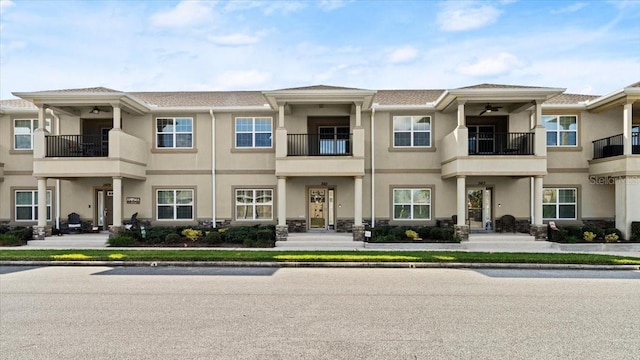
321, 158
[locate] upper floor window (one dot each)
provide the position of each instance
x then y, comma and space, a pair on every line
23, 130
411, 131
411, 204
253, 132
174, 132
26, 203
559, 203
174, 204
562, 130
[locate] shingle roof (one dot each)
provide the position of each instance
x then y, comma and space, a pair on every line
17, 104
202, 98
634, 85
91, 90
321, 87
566, 99
406, 97
498, 86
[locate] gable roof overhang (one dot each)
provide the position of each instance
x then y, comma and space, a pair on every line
517, 98
69, 101
617, 98
320, 95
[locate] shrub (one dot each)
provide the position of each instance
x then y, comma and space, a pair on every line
424, 232
121, 240
380, 231
398, 232
237, 235
436, 233
191, 234
448, 234
157, 235
594, 229
613, 231
249, 242
570, 239
173, 238
213, 238
613, 237
587, 236
22, 233
10, 240
635, 231
411, 234
573, 230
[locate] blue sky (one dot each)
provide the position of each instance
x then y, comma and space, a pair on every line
589, 47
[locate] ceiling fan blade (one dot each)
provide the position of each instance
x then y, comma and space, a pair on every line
482, 112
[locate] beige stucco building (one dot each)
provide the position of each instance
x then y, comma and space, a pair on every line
321, 158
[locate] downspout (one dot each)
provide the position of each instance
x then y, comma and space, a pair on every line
213, 168
373, 169
57, 132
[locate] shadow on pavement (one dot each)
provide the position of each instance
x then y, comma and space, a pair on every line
13, 269
198, 271
560, 274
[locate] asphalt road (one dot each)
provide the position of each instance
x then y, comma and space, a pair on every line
265, 313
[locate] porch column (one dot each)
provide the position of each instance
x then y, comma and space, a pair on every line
281, 116
358, 115
627, 116
117, 203
357, 229
282, 229
39, 134
117, 117
460, 227
461, 118
627, 195
538, 229
41, 229
540, 132
281, 135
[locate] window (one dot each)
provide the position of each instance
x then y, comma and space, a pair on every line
174, 132
254, 204
253, 132
174, 204
560, 203
23, 130
561, 130
411, 131
27, 205
411, 204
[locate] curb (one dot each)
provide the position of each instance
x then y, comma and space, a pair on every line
310, 264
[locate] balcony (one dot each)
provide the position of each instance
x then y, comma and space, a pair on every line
332, 154
613, 146
501, 144
492, 154
608, 159
82, 156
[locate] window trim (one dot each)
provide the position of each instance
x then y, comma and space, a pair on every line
252, 132
174, 148
558, 131
557, 203
47, 126
392, 216
253, 204
33, 191
156, 204
412, 132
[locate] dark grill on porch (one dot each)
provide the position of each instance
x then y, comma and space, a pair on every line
613, 146
501, 144
76, 146
319, 144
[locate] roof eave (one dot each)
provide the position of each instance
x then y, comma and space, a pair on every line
215, 109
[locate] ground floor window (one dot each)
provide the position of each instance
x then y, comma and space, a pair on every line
174, 204
254, 204
411, 204
559, 203
27, 205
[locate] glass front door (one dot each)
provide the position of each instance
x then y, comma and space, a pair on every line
318, 208
479, 212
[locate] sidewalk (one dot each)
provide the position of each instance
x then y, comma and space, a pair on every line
341, 241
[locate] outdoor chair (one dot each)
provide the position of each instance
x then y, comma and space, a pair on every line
133, 223
507, 222
74, 223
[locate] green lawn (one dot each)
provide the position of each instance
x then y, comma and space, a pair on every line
314, 256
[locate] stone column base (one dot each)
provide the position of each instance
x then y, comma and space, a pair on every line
115, 230
539, 232
39, 233
461, 231
281, 233
358, 232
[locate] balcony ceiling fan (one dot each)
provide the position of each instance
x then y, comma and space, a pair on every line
489, 108
98, 110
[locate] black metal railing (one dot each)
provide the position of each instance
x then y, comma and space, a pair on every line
614, 146
76, 146
319, 145
501, 144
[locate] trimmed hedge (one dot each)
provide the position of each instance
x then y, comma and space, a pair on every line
426, 233
247, 236
575, 234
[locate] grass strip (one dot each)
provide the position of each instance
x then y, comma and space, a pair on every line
311, 256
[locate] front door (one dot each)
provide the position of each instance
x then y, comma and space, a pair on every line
104, 208
318, 212
479, 209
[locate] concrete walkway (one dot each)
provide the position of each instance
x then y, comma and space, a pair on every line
488, 242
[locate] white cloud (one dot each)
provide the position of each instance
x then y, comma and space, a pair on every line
569, 8
328, 5
243, 79
465, 15
234, 39
5, 4
283, 7
403, 55
185, 14
502, 63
